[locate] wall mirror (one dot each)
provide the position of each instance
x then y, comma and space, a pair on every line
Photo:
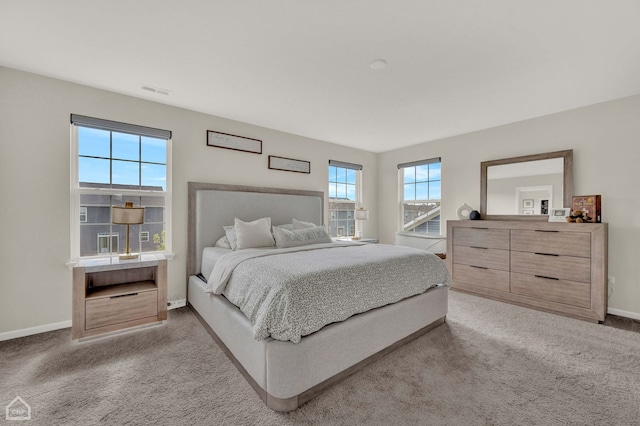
527, 187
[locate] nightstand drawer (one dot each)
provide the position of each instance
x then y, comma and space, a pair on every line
105, 311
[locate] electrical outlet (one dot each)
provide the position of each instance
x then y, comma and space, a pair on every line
612, 280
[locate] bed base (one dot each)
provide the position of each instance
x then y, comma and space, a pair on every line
289, 404
286, 375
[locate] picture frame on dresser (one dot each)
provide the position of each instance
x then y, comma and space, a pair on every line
559, 215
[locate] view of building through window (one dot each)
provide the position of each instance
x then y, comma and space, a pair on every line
343, 198
421, 197
113, 168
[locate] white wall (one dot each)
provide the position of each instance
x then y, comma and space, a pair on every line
605, 139
35, 284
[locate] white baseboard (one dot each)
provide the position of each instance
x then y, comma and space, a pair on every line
621, 313
174, 304
8, 335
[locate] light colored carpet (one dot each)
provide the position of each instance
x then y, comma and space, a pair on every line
490, 364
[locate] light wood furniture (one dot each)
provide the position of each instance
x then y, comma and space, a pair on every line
109, 295
554, 267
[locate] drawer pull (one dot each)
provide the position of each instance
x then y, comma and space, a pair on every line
476, 247
547, 278
123, 295
475, 227
479, 267
545, 230
547, 254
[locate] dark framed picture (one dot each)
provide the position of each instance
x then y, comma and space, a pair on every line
234, 142
289, 164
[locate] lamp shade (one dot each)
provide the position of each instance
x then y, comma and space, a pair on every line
362, 214
127, 215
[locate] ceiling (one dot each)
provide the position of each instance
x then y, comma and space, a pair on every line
303, 66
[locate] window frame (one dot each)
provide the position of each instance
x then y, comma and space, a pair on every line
401, 194
351, 226
77, 192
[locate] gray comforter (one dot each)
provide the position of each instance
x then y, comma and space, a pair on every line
289, 293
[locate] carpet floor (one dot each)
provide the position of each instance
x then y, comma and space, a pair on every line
490, 364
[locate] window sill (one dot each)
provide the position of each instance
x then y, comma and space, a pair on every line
72, 263
415, 235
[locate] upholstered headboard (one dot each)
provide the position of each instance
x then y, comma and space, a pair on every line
212, 206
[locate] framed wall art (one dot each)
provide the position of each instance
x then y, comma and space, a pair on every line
234, 142
289, 164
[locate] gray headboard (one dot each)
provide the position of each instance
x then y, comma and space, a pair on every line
212, 206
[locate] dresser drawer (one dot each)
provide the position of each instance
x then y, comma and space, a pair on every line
105, 311
561, 267
489, 278
561, 291
484, 257
552, 242
482, 237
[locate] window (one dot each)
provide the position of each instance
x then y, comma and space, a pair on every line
114, 163
420, 199
108, 243
344, 197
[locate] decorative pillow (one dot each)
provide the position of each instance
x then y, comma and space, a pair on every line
300, 237
223, 242
231, 236
298, 224
253, 234
287, 226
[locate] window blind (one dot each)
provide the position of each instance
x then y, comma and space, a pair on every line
345, 165
419, 163
115, 126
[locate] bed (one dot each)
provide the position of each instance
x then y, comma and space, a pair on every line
288, 371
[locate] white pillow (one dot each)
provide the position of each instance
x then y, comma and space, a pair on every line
223, 242
287, 226
253, 234
231, 236
298, 224
300, 237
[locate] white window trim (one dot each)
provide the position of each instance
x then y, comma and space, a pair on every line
357, 203
400, 224
76, 191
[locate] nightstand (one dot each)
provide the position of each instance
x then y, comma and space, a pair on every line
111, 295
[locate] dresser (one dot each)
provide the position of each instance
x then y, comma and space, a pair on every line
554, 267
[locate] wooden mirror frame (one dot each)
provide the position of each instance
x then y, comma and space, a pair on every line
567, 188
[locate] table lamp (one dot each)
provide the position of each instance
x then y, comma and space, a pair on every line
127, 215
361, 214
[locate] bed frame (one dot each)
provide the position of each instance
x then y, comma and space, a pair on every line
284, 374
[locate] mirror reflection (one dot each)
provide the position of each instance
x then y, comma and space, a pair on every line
527, 188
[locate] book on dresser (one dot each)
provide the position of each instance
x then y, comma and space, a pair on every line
554, 267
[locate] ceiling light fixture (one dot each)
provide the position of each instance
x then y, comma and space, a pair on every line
378, 64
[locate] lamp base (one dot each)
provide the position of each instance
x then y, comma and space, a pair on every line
128, 256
